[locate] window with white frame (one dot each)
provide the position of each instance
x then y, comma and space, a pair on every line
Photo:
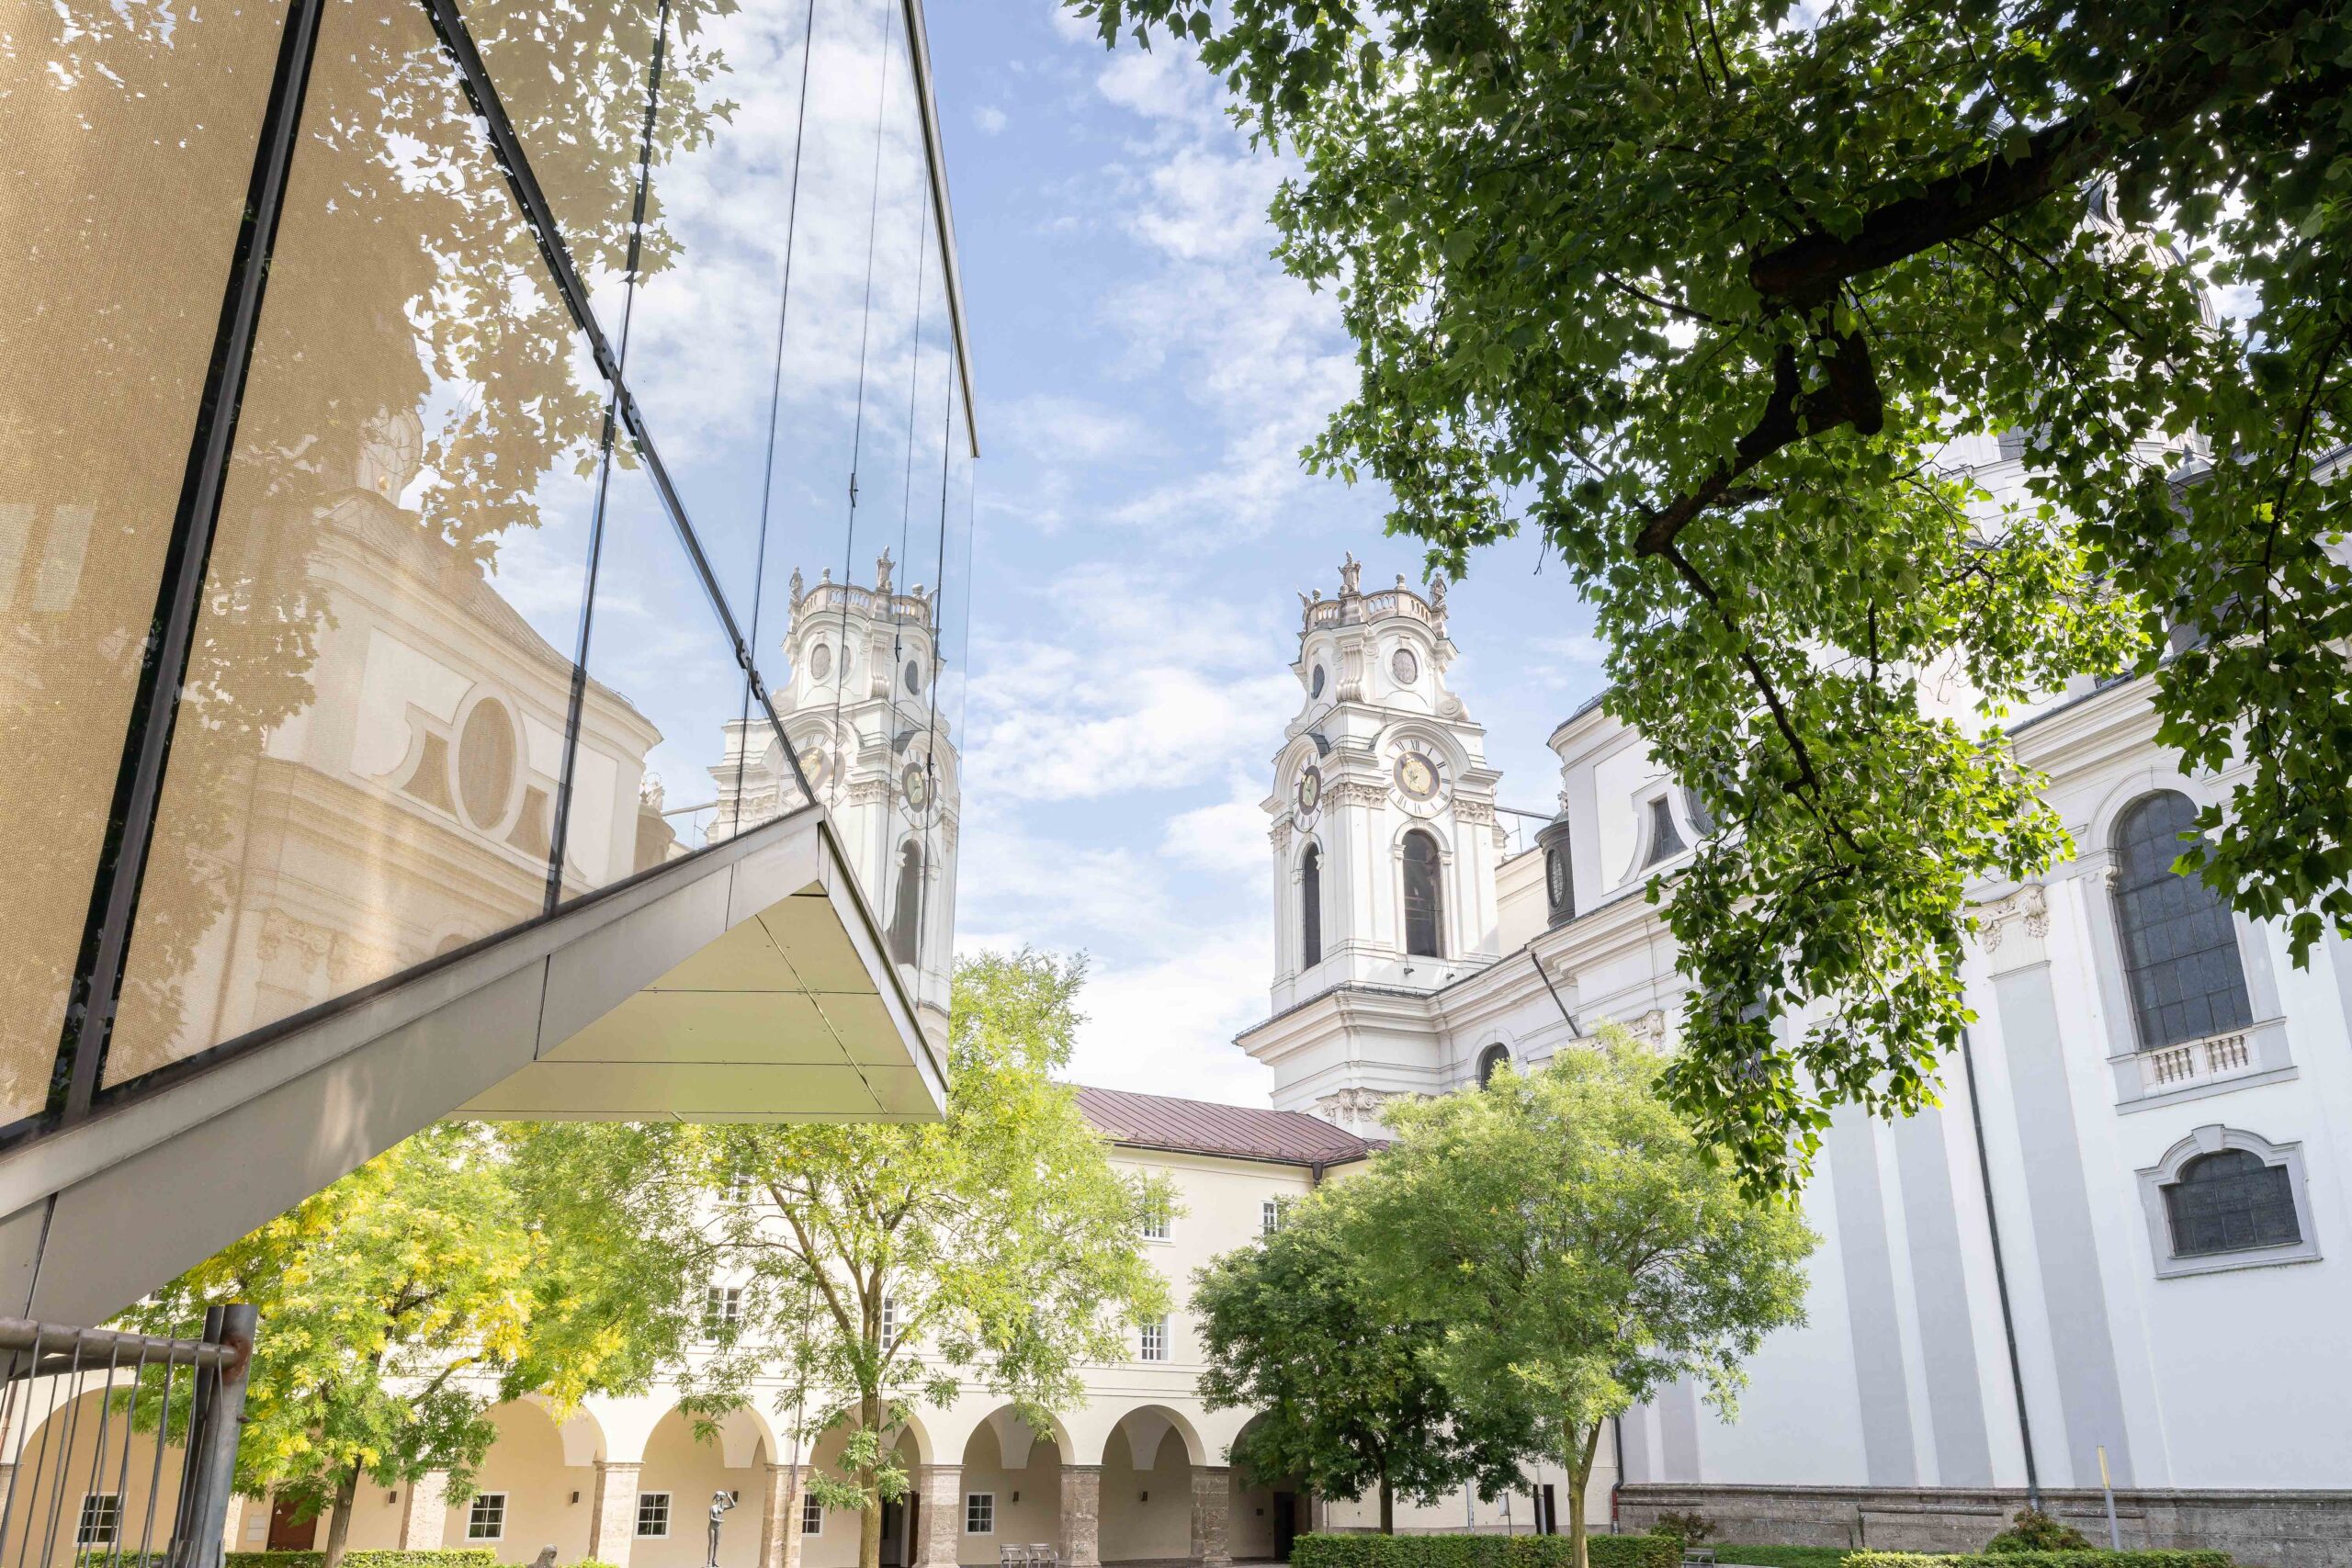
738, 1185
653, 1514
812, 1515
2225, 1198
101, 1519
1269, 1216
1153, 1345
1157, 1213
979, 1513
722, 1309
889, 1326
486, 1517
2180, 943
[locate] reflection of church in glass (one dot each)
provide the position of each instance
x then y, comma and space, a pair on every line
862, 711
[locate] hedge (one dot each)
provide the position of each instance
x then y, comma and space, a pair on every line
2042, 1559
453, 1557
1780, 1556
1484, 1551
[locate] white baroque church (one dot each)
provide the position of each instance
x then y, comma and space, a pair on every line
2122, 1243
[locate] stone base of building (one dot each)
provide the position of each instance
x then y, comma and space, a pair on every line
2264, 1529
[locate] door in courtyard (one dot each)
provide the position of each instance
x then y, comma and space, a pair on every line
1285, 1523
898, 1530
284, 1535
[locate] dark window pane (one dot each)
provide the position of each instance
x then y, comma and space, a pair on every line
2180, 949
1310, 908
127, 138
1423, 906
2231, 1201
1666, 840
906, 915
368, 753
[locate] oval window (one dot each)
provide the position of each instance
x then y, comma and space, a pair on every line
1315, 689
820, 662
914, 675
486, 756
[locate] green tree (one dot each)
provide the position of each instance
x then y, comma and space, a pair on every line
885, 1267
397, 1306
1698, 290
1579, 1244
1349, 1397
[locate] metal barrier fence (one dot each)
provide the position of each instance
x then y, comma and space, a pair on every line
139, 1475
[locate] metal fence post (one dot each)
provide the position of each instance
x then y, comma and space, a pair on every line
212, 1442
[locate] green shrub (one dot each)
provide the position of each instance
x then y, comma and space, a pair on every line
1690, 1528
1783, 1556
2027, 1559
452, 1557
2033, 1531
1482, 1551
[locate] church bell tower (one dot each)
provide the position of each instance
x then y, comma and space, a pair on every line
1384, 843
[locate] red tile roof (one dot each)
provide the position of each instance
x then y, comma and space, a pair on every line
1202, 1127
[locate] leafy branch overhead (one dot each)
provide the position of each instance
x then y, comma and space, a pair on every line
1705, 292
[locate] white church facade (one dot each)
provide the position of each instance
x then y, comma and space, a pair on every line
2126, 1231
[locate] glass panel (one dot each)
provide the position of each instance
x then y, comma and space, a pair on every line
663, 688
367, 759
126, 139
573, 79
2180, 945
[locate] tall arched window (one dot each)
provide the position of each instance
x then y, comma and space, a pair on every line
1492, 1060
1424, 908
2180, 948
1310, 908
906, 920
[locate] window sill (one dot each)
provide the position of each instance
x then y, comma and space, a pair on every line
2188, 1092
2237, 1262
2241, 1058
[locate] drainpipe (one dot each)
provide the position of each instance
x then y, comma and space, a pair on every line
1617, 1487
2001, 1279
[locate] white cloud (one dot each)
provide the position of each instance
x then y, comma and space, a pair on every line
1228, 838
1048, 426
989, 118
1167, 1026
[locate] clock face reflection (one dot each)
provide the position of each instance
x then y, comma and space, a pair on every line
917, 787
1416, 775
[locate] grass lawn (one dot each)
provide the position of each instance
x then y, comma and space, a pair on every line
1780, 1556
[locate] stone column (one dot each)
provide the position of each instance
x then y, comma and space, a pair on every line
1081, 1531
941, 1517
780, 1517
1212, 1503
424, 1512
612, 1526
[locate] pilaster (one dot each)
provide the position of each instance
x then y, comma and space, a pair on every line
939, 1520
780, 1517
1212, 1503
424, 1512
1081, 1530
612, 1528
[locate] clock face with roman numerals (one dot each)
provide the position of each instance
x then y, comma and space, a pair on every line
1418, 775
1309, 797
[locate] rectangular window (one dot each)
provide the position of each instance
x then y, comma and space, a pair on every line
722, 1309
101, 1517
653, 1514
979, 1514
812, 1516
1270, 1217
889, 1326
486, 1517
1154, 1347
738, 1186
1156, 1214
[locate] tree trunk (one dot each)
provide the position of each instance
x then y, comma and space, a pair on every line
1580, 1466
1387, 1506
346, 1494
869, 1521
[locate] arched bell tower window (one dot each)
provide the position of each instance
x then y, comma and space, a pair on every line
2180, 947
1424, 908
1492, 1060
1310, 908
906, 920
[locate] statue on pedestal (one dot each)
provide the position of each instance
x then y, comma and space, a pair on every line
719, 1503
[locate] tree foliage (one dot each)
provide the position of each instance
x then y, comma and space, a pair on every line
883, 1267
1699, 290
1580, 1248
1348, 1398
398, 1306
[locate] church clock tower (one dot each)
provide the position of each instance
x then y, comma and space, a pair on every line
1384, 843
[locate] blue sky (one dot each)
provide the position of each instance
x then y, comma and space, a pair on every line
1147, 375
